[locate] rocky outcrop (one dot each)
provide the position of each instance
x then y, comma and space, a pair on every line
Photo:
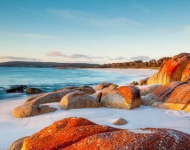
171, 70
31, 110
120, 121
33, 91
16, 89
80, 133
105, 85
78, 100
174, 95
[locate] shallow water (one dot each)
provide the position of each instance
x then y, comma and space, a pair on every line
49, 79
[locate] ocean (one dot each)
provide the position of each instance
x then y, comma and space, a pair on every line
49, 79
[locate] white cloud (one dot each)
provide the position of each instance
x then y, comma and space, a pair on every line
54, 54
143, 58
93, 19
27, 35
11, 58
73, 56
119, 58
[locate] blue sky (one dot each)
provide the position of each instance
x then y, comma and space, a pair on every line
93, 31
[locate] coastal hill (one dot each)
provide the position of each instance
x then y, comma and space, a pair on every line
46, 64
132, 64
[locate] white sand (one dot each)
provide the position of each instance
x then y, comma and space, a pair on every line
13, 128
139, 72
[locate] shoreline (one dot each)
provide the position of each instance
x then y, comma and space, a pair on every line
130, 71
141, 117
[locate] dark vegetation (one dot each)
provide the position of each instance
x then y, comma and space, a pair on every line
46, 64
132, 64
137, 64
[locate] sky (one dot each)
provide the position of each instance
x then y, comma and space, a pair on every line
93, 31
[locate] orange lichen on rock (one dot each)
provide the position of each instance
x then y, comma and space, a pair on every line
186, 72
63, 133
130, 93
148, 139
171, 70
174, 95
82, 134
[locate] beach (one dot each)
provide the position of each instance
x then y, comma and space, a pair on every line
13, 128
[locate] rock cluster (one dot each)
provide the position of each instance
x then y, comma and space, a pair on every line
174, 95
80, 133
171, 95
21, 88
106, 95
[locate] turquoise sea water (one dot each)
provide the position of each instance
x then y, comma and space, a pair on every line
49, 79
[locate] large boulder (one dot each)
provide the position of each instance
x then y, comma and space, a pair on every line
131, 95
23, 111
78, 100
80, 133
16, 89
174, 95
33, 91
112, 99
171, 70
55, 96
33, 105
125, 97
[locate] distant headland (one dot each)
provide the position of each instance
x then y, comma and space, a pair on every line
132, 64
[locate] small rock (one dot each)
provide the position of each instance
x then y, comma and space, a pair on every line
103, 85
33, 91
120, 121
134, 83
143, 81
16, 89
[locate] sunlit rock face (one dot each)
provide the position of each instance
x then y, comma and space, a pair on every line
79, 133
174, 95
175, 69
